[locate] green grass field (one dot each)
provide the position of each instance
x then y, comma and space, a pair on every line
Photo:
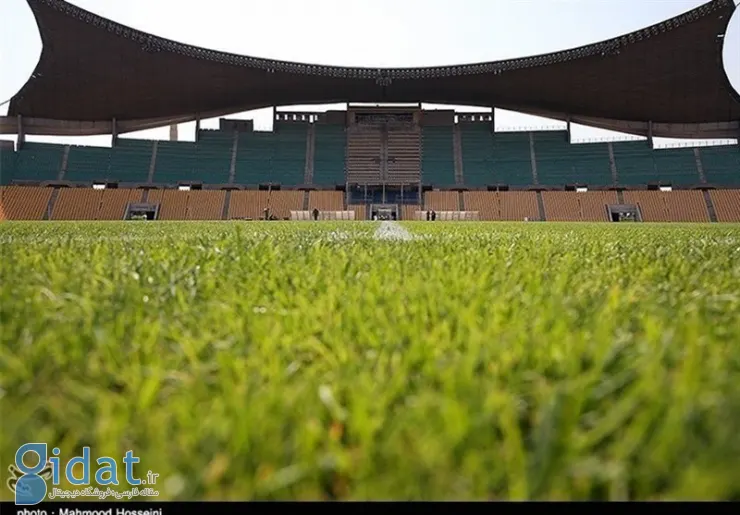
254, 360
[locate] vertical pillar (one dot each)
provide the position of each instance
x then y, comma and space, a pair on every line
114, 133
21, 133
650, 134
197, 128
567, 121
173, 132
493, 119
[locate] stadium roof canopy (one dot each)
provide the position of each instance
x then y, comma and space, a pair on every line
666, 80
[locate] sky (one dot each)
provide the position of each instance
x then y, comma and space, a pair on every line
383, 33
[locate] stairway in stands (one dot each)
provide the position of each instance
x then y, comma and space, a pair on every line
364, 155
403, 153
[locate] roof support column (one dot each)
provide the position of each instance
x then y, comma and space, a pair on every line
21, 133
493, 119
567, 128
650, 134
114, 133
197, 128
738, 133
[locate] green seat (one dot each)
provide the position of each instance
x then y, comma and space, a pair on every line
7, 164
330, 142
176, 162
438, 155
213, 156
254, 158
676, 166
512, 159
37, 162
130, 160
289, 156
721, 164
634, 162
560, 162
476, 141
88, 164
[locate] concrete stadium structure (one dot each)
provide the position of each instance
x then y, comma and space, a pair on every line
400, 157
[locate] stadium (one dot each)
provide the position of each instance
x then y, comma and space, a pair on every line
161, 295
400, 161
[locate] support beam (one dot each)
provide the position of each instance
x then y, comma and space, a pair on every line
21, 133
613, 165
533, 159
114, 133
45, 127
567, 121
197, 128
650, 134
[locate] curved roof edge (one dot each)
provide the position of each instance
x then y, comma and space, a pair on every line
154, 43
621, 83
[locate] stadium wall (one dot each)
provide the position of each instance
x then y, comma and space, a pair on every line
54, 203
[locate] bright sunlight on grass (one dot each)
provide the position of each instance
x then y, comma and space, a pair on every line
314, 360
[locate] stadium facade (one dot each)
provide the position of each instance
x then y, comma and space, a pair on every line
96, 76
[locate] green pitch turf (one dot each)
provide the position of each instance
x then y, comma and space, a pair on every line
252, 360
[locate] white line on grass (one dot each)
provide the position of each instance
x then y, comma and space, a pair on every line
392, 231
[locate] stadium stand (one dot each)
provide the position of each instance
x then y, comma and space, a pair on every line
213, 156
113, 203
281, 203
383, 155
485, 202
188, 205
560, 162
254, 158
384, 161
637, 164
329, 148
289, 153
77, 204
24, 202
173, 204
512, 159
176, 162
676, 166
438, 156
247, 204
478, 155
593, 205
36, 162
363, 155
726, 204
669, 206
518, 205
88, 164
7, 161
721, 164
571, 206
408, 212
441, 201
360, 211
130, 160
326, 200
404, 156
205, 204
502, 205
